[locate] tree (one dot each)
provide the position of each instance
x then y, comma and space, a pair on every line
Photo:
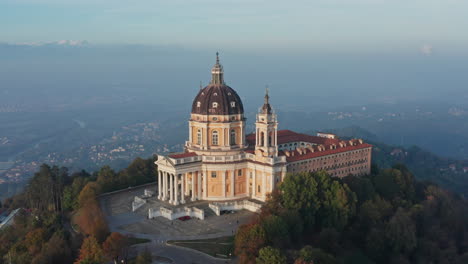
374, 212
276, 231
90, 252
116, 247
92, 222
299, 192
315, 255
362, 186
249, 239
56, 251
107, 179
321, 200
270, 255
45, 189
338, 202
71, 192
34, 240
144, 257
90, 218
88, 194
401, 232
39, 190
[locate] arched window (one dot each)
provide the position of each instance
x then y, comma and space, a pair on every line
215, 104
199, 136
214, 138
233, 137
262, 139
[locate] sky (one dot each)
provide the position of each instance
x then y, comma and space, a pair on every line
331, 52
425, 26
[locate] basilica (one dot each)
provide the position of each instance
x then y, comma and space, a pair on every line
221, 163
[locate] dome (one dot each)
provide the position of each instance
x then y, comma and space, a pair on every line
217, 98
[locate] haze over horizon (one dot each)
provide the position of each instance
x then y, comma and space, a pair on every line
322, 25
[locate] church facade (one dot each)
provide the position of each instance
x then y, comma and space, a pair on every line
221, 163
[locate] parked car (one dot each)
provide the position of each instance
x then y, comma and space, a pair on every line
184, 218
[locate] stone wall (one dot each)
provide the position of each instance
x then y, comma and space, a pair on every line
235, 206
137, 203
172, 214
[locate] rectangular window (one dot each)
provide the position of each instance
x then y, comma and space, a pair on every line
239, 173
213, 174
199, 137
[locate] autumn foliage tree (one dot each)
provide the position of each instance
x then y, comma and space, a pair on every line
90, 218
116, 247
249, 240
90, 252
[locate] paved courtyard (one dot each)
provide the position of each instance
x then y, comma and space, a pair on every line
117, 208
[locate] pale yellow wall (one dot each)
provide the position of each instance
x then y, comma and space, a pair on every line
223, 125
240, 182
215, 184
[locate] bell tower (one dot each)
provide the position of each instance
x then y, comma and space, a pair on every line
266, 130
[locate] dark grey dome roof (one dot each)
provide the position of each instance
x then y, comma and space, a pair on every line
217, 99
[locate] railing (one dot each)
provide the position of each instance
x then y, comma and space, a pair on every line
232, 158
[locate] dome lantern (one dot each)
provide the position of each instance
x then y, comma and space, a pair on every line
217, 72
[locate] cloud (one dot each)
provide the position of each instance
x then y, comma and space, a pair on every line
426, 49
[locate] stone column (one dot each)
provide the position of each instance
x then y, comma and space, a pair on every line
233, 175
190, 133
263, 185
257, 137
164, 182
186, 188
254, 187
193, 186
199, 192
159, 184
276, 137
171, 188
272, 181
176, 188
182, 190
241, 136
205, 184
224, 184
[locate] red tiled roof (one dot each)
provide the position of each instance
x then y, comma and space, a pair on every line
182, 155
286, 136
295, 156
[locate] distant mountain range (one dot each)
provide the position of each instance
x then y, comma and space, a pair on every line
63, 43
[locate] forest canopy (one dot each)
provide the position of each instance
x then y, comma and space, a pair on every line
386, 217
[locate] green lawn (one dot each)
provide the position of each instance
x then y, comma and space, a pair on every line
221, 247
